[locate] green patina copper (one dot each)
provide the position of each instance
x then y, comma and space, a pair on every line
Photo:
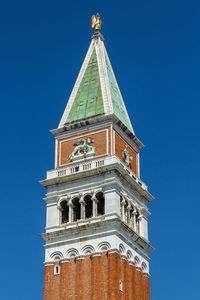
88, 101
118, 107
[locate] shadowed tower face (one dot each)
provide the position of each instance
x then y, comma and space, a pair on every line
96, 239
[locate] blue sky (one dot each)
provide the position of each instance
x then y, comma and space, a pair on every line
154, 48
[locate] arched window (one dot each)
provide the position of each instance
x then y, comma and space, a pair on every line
57, 269
64, 212
88, 206
76, 209
100, 204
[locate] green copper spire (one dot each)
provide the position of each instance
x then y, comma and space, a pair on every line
118, 107
96, 90
88, 101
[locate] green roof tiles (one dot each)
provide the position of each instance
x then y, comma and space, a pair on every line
88, 101
118, 107
96, 91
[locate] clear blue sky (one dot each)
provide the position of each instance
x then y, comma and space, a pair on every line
154, 47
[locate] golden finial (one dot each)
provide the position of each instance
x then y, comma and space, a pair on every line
96, 22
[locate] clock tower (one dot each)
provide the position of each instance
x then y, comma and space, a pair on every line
96, 235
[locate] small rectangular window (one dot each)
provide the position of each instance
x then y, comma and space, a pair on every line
120, 286
56, 269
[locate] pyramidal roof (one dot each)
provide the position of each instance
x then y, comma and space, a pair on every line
96, 90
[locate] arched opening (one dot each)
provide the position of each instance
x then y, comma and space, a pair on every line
64, 212
57, 269
88, 206
100, 204
76, 209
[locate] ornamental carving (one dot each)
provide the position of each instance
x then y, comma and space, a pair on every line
126, 156
83, 149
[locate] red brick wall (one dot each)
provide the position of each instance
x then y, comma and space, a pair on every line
65, 146
120, 144
96, 278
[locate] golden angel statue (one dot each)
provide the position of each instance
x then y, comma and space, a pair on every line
96, 22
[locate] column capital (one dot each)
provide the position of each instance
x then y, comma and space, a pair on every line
93, 198
81, 201
129, 207
123, 202
96, 254
69, 203
80, 257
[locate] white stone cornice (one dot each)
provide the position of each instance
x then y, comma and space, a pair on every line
147, 275
96, 254
115, 250
64, 260
124, 257
80, 257
48, 263
139, 269
131, 263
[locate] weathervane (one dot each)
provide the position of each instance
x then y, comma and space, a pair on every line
96, 22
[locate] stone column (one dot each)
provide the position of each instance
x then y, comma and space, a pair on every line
94, 206
123, 203
134, 221
70, 211
140, 224
82, 202
128, 214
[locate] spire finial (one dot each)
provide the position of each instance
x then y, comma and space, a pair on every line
96, 22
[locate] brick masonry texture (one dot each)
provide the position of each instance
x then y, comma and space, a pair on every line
120, 144
65, 146
96, 278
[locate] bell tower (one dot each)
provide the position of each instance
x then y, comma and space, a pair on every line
96, 235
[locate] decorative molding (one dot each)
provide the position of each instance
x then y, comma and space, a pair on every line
147, 275
124, 257
129, 254
57, 255
104, 246
80, 137
96, 254
138, 269
137, 261
131, 263
115, 250
72, 252
64, 260
88, 249
121, 248
80, 257
48, 263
